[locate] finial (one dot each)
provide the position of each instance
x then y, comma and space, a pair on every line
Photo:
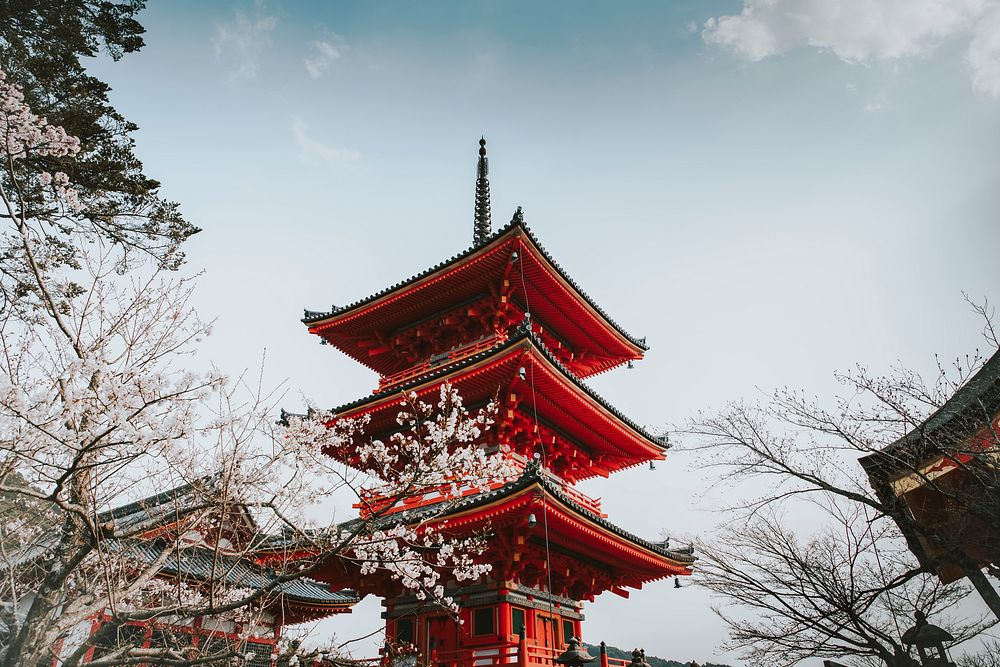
518, 217
482, 227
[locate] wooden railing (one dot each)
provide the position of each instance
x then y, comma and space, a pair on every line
372, 501
525, 653
480, 656
448, 357
583, 500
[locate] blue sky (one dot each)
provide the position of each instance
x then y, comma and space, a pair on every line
767, 195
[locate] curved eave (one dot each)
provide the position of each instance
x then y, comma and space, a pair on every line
318, 323
576, 518
968, 413
525, 491
435, 378
303, 611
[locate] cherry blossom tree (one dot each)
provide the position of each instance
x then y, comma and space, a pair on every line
97, 409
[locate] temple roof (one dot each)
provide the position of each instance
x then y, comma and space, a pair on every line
910, 474
310, 599
968, 411
623, 345
446, 369
533, 475
199, 564
169, 505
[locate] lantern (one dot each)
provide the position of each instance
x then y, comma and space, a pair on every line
574, 656
929, 641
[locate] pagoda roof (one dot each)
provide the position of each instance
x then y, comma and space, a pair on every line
488, 504
651, 446
580, 313
533, 474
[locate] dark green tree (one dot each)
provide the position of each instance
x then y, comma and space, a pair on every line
42, 47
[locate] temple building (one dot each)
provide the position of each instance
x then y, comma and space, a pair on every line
942, 480
504, 322
199, 548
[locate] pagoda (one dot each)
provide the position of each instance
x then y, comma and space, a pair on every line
503, 322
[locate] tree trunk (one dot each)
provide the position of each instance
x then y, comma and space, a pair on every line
984, 587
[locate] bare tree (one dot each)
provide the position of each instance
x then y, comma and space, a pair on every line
844, 590
847, 585
988, 657
97, 409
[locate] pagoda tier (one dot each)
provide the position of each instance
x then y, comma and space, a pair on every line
583, 435
479, 294
586, 553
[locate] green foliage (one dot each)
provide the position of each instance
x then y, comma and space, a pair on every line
41, 46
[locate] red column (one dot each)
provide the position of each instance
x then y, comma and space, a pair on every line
604, 655
503, 621
522, 650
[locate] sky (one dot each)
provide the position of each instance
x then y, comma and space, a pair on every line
768, 191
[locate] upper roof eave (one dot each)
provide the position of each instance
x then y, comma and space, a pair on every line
313, 318
523, 335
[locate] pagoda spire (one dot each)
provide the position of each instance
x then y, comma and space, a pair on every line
482, 228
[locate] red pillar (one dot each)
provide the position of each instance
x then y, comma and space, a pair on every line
503, 621
522, 649
604, 655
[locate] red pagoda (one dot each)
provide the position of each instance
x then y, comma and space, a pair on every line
503, 321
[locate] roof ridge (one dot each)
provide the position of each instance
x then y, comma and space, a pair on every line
253, 574
160, 498
965, 399
312, 316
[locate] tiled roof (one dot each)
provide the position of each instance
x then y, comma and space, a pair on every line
176, 502
200, 564
196, 563
975, 403
315, 316
520, 336
533, 474
133, 517
968, 410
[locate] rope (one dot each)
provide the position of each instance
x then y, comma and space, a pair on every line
541, 453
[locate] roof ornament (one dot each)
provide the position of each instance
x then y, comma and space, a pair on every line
482, 228
518, 218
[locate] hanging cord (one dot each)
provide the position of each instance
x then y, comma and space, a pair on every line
540, 453
881, 570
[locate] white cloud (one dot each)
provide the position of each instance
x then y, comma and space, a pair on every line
326, 52
242, 41
860, 31
311, 148
984, 54
876, 105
